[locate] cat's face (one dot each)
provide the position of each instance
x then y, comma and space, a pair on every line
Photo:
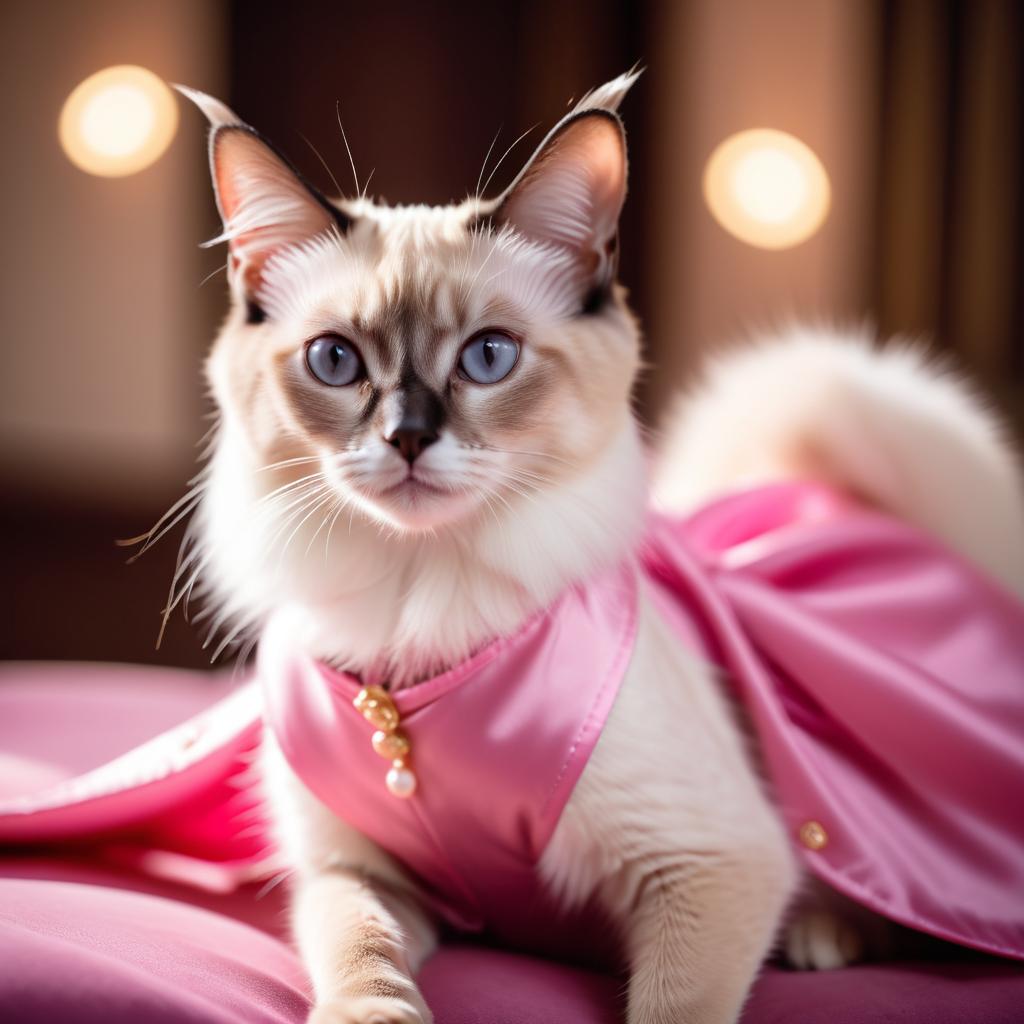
428, 363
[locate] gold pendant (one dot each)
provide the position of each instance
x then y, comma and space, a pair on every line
374, 703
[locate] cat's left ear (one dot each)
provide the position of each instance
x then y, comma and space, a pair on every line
264, 203
570, 193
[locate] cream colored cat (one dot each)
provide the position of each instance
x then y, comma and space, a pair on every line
426, 435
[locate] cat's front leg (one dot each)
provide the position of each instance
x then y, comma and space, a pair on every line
360, 947
698, 933
356, 918
668, 828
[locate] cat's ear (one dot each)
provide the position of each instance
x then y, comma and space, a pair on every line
571, 191
265, 204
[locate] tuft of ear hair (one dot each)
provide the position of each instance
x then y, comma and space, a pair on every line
265, 204
610, 95
571, 191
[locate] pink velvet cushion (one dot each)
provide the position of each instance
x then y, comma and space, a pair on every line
83, 942
88, 953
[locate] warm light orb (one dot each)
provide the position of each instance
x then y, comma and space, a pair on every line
767, 188
118, 121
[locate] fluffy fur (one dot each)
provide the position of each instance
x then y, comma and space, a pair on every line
529, 485
895, 425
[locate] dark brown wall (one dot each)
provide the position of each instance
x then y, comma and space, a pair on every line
422, 89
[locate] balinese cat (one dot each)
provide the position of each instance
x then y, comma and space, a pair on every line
426, 436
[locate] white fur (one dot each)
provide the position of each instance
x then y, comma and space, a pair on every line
354, 581
668, 827
893, 424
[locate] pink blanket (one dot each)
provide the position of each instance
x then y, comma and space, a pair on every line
82, 942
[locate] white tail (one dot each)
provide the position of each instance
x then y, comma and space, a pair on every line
893, 425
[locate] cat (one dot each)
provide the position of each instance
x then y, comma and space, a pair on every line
426, 435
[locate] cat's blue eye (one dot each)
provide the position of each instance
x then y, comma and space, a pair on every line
334, 361
489, 357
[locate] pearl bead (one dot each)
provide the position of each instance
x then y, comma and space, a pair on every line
401, 781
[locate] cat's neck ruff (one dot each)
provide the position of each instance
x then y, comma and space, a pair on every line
402, 606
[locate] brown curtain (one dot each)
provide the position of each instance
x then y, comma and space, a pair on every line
950, 238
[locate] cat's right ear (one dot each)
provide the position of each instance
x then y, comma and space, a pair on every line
265, 204
570, 193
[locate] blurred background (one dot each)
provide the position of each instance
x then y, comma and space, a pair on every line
913, 108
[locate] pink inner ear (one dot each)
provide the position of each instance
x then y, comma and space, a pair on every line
263, 204
572, 192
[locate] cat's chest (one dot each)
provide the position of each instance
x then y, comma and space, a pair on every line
481, 759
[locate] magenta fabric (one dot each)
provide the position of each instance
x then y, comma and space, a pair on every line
153, 766
883, 673
82, 942
83, 953
88, 954
885, 677
497, 745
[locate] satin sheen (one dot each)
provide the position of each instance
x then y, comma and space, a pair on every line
885, 677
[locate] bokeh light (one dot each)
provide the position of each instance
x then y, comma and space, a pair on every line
118, 121
767, 188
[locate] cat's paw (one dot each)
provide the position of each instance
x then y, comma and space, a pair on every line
370, 1010
818, 940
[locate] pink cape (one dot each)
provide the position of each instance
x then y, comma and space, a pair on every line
885, 677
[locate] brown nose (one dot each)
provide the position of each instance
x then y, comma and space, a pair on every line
411, 441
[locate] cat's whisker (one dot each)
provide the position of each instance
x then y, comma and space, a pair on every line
176, 593
482, 493
366, 184
482, 267
515, 451
155, 532
243, 655
215, 625
170, 525
212, 274
295, 509
330, 528
352, 163
487, 156
323, 162
494, 277
294, 485
298, 461
487, 183
173, 602
225, 642
337, 499
280, 519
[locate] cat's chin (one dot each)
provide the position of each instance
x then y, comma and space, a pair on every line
414, 506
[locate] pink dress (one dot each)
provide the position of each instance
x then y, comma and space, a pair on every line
885, 677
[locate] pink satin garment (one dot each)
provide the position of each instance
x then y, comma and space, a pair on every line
886, 680
885, 677
498, 744
180, 806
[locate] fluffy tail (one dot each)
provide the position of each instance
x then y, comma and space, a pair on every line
892, 425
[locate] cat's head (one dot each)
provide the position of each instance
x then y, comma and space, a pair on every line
432, 363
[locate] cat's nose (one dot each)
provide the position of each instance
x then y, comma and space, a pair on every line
412, 440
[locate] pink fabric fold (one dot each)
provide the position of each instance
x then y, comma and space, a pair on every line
884, 674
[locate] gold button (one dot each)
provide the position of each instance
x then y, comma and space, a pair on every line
392, 745
377, 707
813, 835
